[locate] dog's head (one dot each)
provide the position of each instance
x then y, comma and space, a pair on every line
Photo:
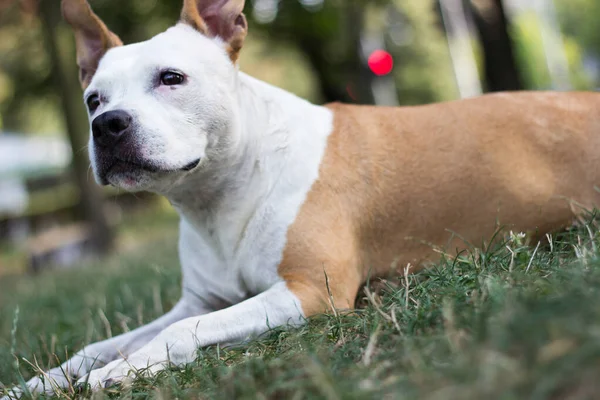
161, 108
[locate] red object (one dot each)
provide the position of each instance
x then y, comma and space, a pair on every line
381, 62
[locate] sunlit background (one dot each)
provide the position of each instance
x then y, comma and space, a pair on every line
388, 52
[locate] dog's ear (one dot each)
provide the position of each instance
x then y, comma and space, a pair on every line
92, 37
218, 18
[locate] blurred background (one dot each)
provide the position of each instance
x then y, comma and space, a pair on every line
389, 52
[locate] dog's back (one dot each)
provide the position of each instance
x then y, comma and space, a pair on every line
395, 182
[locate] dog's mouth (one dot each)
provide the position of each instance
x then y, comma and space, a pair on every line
191, 165
133, 168
139, 165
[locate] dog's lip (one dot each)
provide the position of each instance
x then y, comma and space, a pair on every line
191, 165
146, 167
119, 164
154, 168
137, 164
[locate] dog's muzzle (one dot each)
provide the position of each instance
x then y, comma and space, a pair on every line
116, 150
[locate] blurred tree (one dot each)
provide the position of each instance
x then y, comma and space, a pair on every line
463, 48
578, 19
530, 52
423, 72
527, 34
328, 34
24, 70
501, 70
65, 83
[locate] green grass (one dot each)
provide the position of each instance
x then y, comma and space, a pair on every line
501, 323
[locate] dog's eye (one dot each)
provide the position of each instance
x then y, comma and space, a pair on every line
93, 102
170, 78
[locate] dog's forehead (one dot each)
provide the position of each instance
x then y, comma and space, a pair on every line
179, 47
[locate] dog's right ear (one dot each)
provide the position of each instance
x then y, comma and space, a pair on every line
218, 18
92, 37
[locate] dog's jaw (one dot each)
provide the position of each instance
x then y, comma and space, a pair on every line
135, 176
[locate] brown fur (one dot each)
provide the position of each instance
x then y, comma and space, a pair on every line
395, 182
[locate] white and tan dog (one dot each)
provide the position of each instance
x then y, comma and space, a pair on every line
278, 196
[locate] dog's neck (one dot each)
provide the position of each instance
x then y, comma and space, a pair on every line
271, 122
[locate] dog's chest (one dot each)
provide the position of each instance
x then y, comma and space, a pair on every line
225, 262
234, 254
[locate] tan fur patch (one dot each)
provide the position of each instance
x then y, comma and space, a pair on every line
228, 21
396, 182
191, 16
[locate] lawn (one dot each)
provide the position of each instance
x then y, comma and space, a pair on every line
511, 321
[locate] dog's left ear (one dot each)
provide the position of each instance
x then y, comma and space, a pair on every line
218, 18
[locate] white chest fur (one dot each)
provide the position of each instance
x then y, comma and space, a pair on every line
231, 252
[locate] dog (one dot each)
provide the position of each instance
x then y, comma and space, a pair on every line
286, 207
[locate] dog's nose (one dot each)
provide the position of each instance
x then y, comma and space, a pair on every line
110, 127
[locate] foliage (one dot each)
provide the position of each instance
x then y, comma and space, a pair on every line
424, 73
579, 20
527, 37
24, 75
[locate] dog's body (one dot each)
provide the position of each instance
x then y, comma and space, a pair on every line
287, 207
395, 183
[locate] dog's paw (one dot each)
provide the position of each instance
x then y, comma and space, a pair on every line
13, 394
116, 372
10, 397
52, 382
10, 394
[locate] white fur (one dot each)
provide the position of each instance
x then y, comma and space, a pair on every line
259, 164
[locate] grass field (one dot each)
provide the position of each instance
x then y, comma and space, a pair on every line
513, 321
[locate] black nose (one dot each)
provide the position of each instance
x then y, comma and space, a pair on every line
110, 127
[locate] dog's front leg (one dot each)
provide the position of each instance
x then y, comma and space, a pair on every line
101, 353
178, 344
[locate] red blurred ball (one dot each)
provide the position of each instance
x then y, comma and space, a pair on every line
381, 62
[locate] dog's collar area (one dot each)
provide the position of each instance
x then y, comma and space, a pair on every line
191, 165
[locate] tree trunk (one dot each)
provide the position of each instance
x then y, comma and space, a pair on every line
66, 85
362, 76
460, 45
330, 88
501, 71
348, 79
